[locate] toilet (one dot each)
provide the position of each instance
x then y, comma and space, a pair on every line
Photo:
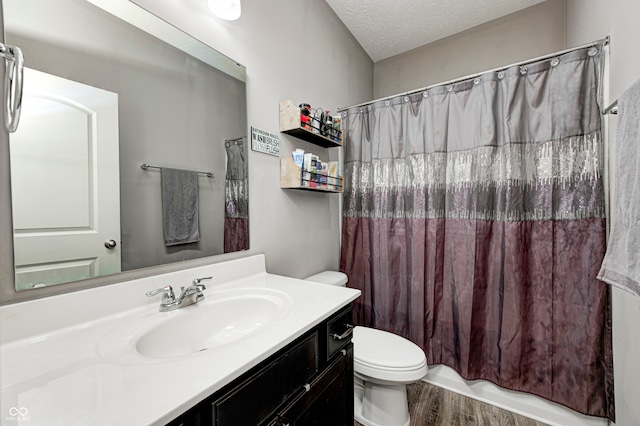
383, 364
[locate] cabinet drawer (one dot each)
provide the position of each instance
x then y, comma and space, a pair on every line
255, 399
338, 331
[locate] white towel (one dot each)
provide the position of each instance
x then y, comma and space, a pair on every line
621, 265
180, 206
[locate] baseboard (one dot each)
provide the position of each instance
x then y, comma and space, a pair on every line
517, 402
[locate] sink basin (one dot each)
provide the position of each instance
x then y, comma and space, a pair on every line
208, 326
222, 318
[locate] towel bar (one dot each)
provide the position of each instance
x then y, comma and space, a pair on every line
145, 166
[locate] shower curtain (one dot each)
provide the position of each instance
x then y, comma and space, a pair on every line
474, 226
236, 211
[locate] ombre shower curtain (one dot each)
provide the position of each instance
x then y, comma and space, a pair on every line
236, 188
474, 226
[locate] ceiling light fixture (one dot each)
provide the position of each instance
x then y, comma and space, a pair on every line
225, 9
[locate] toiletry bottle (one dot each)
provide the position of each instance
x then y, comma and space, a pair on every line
337, 125
328, 126
319, 173
305, 116
306, 169
316, 124
313, 170
298, 157
323, 175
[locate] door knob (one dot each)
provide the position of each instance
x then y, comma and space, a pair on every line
110, 244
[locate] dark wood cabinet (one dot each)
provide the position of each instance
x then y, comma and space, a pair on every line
329, 400
252, 401
309, 382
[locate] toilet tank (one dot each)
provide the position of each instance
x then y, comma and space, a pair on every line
330, 277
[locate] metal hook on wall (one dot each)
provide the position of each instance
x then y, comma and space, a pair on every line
13, 80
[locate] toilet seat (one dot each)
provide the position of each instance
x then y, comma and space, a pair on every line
388, 357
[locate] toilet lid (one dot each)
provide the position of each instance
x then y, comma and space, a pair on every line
385, 350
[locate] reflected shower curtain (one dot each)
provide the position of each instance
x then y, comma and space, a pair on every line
474, 226
236, 188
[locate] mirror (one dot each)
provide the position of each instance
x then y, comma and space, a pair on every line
102, 97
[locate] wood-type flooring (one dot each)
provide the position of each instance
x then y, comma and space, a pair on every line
433, 406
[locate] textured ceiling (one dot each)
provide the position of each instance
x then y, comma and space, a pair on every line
387, 28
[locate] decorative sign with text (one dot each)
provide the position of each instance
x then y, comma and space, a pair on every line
263, 141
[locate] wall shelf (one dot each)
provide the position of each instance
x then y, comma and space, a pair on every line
291, 177
291, 125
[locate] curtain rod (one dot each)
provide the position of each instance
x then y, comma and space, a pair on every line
605, 41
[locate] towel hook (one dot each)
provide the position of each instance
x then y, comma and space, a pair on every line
13, 82
611, 109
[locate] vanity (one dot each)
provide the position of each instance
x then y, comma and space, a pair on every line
259, 349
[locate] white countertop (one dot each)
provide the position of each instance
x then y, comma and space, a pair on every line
53, 372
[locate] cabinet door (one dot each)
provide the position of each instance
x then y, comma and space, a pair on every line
329, 400
254, 400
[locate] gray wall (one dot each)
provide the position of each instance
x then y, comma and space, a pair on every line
589, 20
298, 50
523, 35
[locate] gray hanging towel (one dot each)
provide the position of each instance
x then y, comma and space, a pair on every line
621, 265
180, 206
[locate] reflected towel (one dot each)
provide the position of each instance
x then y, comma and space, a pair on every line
621, 265
180, 206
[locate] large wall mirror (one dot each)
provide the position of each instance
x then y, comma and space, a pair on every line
102, 99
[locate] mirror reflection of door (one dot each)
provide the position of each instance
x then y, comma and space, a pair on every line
65, 149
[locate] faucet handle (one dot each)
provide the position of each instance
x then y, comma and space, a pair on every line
197, 281
168, 295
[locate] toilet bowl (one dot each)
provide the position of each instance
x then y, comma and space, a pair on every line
383, 363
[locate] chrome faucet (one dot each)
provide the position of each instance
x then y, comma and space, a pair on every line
189, 296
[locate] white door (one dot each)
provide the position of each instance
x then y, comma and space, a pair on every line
65, 182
